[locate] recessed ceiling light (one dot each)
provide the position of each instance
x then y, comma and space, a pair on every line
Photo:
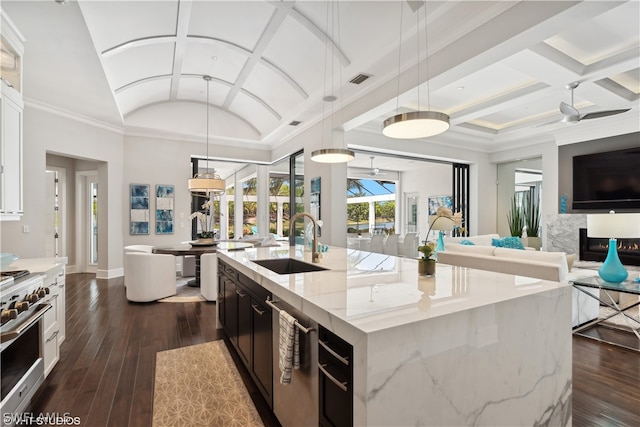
214, 58
460, 88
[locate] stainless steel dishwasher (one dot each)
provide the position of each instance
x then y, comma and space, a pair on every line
296, 404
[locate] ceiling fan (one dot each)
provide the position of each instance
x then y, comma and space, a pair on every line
373, 171
572, 115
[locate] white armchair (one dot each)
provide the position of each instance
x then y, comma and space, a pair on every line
138, 248
209, 276
149, 277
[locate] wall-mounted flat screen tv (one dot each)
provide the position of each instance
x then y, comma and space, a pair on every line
608, 180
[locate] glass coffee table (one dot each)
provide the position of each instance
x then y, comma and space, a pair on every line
632, 322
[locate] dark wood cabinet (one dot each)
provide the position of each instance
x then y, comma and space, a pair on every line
244, 325
246, 320
261, 366
335, 374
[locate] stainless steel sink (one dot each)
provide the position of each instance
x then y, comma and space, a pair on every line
288, 265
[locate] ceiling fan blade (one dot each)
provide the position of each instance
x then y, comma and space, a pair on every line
604, 113
568, 110
547, 124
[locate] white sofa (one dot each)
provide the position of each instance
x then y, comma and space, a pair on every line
554, 266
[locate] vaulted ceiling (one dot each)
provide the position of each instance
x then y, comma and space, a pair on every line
498, 68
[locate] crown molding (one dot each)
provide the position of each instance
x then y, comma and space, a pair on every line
48, 108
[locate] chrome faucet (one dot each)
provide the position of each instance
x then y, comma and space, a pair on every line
315, 255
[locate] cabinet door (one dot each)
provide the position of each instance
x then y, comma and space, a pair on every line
11, 152
51, 333
262, 355
221, 301
230, 311
244, 325
62, 305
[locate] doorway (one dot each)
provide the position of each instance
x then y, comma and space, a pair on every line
87, 221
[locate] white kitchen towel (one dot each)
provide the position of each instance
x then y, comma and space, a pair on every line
289, 352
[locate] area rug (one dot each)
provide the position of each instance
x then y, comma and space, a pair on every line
185, 293
200, 386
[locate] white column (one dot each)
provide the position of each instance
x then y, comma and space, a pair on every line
239, 218
372, 216
224, 217
280, 219
263, 200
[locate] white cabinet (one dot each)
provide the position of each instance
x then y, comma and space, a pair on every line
11, 112
54, 320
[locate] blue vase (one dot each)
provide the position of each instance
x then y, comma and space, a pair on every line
612, 270
440, 244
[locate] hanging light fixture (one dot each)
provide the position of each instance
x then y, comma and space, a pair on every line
332, 155
208, 182
415, 124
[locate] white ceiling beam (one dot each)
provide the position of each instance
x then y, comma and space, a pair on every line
180, 47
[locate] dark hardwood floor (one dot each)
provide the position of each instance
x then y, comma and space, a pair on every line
106, 369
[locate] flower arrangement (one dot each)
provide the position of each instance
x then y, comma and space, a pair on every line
207, 229
427, 251
443, 212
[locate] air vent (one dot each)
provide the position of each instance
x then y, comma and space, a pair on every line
294, 123
359, 78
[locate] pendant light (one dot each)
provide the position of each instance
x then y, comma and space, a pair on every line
415, 124
208, 182
332, 155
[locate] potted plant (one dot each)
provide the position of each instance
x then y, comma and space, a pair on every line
427, 264
515, 218
531, 213
206, 234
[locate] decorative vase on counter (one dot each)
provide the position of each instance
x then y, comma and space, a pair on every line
427, 267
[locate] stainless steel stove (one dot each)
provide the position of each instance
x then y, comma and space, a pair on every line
23, 303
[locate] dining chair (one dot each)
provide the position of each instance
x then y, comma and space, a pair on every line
149, 277
377, 243
209, 276
390, 246
410, 245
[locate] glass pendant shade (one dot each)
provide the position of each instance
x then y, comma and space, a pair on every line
332, 155
415, 124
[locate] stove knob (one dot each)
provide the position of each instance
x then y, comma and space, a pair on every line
46, 289
32, 298
9, 314
22, 306
41, 293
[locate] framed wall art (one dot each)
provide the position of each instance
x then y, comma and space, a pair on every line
164, 209
139, 209
436, 201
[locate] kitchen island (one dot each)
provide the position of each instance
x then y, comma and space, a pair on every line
466, 347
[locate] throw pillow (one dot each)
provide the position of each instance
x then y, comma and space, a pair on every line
508, 242
467, 242
571, 258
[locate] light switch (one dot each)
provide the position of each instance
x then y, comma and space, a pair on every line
25, 228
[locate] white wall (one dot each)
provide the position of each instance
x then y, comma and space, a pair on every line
433, 179
47, 131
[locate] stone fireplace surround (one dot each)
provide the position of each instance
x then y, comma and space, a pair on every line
561, 233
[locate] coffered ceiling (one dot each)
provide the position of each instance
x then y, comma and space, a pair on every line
498, 68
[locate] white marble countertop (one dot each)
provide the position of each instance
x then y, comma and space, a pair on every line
367, 292
37, 265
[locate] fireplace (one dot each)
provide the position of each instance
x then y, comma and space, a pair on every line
592, 249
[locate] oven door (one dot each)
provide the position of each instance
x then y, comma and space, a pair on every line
22, 365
